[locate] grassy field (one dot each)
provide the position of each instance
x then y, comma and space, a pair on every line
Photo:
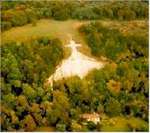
50, 28
45, 129
123, 124
43, 27
65, 29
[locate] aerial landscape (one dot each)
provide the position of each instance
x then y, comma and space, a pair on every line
74, 65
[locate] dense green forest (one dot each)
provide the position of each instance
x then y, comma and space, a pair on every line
119, 92
20, 13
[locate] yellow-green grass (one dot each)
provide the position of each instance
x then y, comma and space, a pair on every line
45, 129
50, 28
121, 123
62, 29
65, 29
43, 27
115, 124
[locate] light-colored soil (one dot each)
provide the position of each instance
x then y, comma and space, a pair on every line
77, 64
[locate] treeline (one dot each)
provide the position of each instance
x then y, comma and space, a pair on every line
19, 13
103, 91
116, 90
32, 62
119, 89
128, 77
111, 43
24, 69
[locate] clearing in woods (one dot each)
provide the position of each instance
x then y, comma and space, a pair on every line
61, 29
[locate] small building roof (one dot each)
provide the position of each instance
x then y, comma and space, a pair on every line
89, 115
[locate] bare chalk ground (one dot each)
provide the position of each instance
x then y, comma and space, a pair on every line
77, 64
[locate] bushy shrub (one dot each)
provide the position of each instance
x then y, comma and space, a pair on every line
113, 107
104, 41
